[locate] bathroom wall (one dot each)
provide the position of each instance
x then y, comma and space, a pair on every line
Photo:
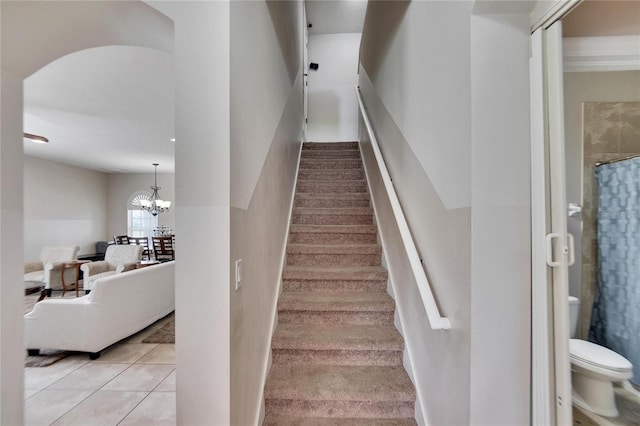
611, 131
580, 87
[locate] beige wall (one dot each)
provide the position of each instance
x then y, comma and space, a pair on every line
68, 205
63, 205
438, 90
266, 124
120, 189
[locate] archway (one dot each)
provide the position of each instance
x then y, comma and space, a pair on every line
33, 35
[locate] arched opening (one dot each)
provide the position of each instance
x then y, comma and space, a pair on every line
56, 29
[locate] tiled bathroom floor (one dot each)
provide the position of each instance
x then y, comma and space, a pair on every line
628, 406
132, 383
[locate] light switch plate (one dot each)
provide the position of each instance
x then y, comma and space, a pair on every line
238, 273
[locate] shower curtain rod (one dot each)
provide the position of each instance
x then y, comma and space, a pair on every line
601, 163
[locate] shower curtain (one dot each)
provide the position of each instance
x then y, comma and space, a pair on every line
615, 320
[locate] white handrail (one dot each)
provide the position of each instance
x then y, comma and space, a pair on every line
437, 321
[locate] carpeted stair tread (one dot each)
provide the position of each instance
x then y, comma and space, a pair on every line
338, 212
329, 200
314, 301
337, 229
329, 145
330, 164
337, 337
332, 187
338, 383
341, 249
330, 153
298, 272
330, 175
327, 421
333, 234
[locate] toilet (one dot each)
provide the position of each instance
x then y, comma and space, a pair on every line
594, 369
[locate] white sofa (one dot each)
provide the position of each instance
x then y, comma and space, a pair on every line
117, 307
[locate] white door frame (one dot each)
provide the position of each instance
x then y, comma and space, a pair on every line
552, 249
305, 74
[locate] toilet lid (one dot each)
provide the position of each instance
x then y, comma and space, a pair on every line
597, 355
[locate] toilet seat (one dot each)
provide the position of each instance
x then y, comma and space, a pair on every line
597, 356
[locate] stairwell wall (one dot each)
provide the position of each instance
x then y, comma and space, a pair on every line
266, 126
414, 78
437, 95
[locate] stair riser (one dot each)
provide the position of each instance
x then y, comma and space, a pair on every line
304, 187
324, 203
323, 421
334, 285
332, 219
337, 357
317, 238
353, 409
346, 317
352, 174
330, 153
327, 146
331, 164
333, 259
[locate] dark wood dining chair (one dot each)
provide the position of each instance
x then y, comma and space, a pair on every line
121, 239
163, 248
144, 242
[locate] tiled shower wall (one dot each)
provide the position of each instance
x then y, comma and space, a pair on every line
611, 131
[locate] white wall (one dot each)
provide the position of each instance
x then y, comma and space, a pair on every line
427, 93
56, 28
451, 113
63, 205
333, 108
120, 189
408, 49
268, 33
202, 61
500, 220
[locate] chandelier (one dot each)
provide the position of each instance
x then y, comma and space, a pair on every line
155, 205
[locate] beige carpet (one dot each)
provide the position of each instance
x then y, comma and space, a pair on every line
165, 334
336, 353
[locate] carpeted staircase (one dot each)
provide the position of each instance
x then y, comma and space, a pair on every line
337, 357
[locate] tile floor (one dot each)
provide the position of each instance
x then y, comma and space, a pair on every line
628, 406
132, 383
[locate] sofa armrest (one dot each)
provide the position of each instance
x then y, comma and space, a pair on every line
33, 266
93, 268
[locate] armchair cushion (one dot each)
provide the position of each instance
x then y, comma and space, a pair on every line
117, 259
51, 259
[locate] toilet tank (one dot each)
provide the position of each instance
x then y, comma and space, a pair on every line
574, 310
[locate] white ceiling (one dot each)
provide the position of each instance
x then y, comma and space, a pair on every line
335, 16
108, 109
111, 108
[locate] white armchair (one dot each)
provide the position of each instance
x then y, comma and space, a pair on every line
117, 259
48, 269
